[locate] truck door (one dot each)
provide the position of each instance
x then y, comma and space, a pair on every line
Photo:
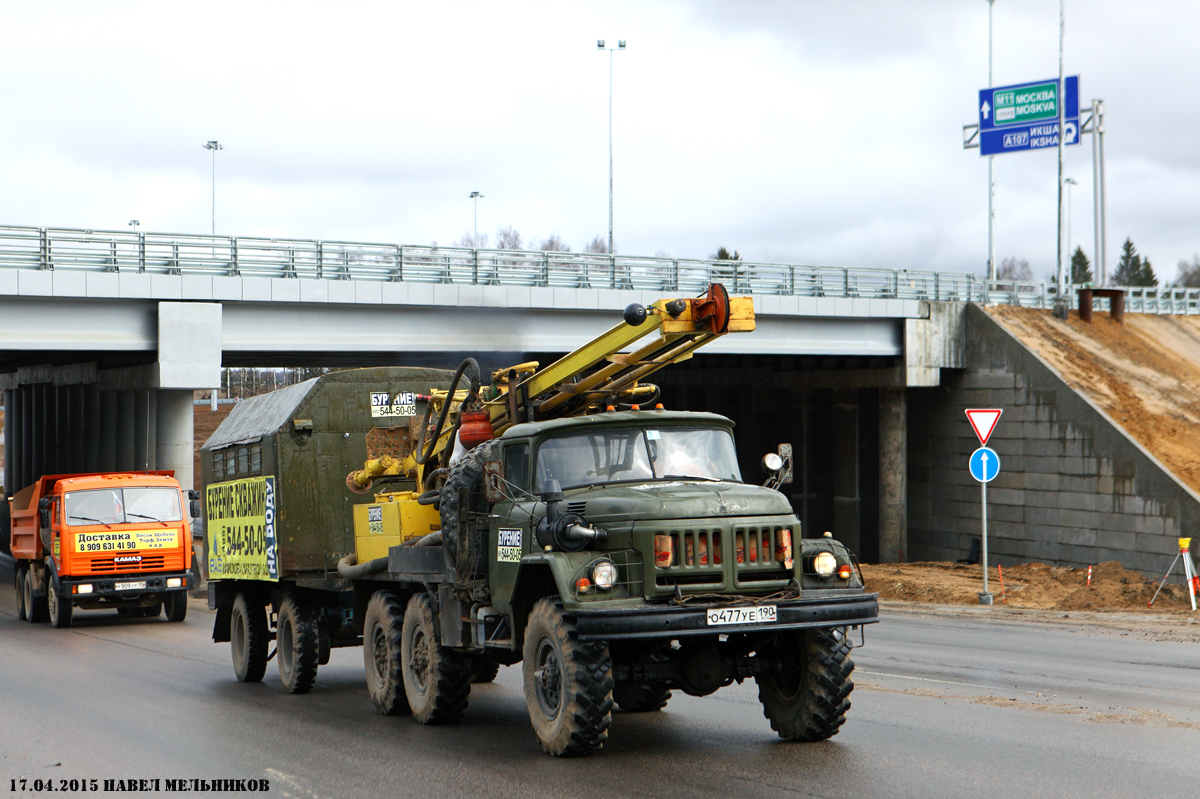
511, 524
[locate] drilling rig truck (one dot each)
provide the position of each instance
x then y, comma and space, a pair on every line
557, 517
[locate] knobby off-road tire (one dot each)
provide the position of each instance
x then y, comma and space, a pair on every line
807, 700
296, 645
437, 680
58, 608
640, 697
568, 684
484, 668
248, 639
382, 626
466, 542
176, 605
35, 607
19, 585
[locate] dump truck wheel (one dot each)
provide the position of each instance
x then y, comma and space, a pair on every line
58, 608
176, 605
382, 626
640, 697
437, 680
35, 608
248, 639
568, 684
484, 668
296, 646
19, 584
807, 697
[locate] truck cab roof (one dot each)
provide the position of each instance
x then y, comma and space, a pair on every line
646, 418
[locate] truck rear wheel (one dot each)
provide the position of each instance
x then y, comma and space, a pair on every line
806, 697
382, 626
35, 607
176, 605
640, 697
248, 639
296, 645
19, 584
437, 680
568, 684
58, 607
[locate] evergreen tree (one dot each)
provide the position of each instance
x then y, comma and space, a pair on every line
1081, 268
724, 255
1129, 267
1146, 276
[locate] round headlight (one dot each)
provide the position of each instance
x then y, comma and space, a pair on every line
824, 564
604, 575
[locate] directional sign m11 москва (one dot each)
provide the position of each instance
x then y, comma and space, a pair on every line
1025, 116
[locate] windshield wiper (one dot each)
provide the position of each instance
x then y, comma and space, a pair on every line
691, 477
151, 518
90, 519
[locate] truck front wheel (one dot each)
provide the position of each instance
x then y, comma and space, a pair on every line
382, 626
176, 605
35, 607
807, 695
296, 645
437, 680
58, 607
19, 584
568, 684
248, 639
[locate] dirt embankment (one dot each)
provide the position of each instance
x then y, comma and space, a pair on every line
1030, 585
1145, 374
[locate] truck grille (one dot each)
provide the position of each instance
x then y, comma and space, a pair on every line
106, 564
700, 557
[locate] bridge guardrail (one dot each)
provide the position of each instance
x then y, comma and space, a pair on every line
179, 254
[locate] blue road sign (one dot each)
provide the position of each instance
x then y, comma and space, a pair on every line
984, 464
1025, 116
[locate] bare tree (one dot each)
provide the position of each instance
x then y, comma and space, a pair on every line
1013, 268
554, 243
508, 239
598, 245
468, 241
1189, 273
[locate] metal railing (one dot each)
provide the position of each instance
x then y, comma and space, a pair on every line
185, 254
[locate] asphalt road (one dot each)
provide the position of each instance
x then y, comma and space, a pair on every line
977, 704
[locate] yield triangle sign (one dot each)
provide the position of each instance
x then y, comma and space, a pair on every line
983, 421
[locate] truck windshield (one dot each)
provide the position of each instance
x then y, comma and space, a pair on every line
616, 455
123, 505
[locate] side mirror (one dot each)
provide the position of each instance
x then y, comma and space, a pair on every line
194, 508
44, 511
193, 494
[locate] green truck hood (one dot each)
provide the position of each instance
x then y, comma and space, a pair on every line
669, 499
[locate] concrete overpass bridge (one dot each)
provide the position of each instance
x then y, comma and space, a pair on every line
104, 336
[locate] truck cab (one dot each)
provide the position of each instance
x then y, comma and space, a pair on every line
92, 541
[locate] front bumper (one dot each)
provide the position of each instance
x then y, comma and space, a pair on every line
104, 589
680, 621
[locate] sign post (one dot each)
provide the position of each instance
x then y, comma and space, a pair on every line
984, 465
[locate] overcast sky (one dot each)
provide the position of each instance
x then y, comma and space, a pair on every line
807, 132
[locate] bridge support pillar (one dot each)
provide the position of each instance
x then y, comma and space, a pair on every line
175, 432
893, 475
847, 498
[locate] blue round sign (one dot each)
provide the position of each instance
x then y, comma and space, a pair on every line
984, 464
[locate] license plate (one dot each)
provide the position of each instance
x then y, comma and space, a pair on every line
129, 586
760, 614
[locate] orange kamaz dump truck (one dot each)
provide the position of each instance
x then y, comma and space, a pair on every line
116, 540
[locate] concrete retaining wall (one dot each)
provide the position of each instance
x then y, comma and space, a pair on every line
1074, 488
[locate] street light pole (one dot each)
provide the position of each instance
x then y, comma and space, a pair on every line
600, 46
214, 146
1070, 267
991, 174
475, 196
